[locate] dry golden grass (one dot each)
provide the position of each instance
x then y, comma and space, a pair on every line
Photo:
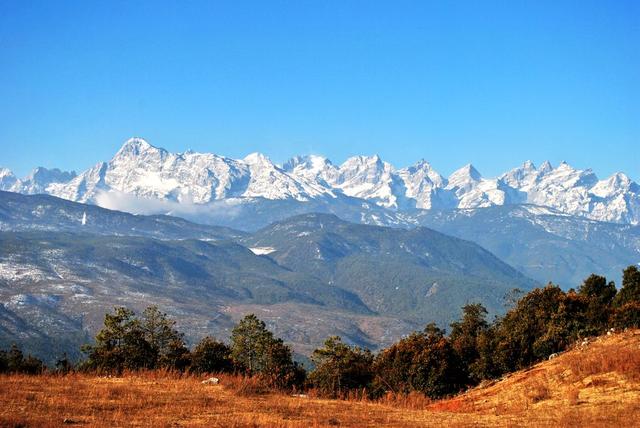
595, 386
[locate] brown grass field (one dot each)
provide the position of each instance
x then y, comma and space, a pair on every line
594, 385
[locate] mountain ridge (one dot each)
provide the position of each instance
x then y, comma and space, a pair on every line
64, 264
141, 170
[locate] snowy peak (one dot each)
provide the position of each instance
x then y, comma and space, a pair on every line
545, 167
7, 179
425, 186
464, 177
141, 172
369, 177
44, 176
357, 164
257, 159
617, 183
271, 182
467, 172
38, 181
522, 176
312, 168
364, 169
313, 163
136, 146
137, 150
421, 173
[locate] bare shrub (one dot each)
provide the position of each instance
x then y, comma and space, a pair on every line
606, 360
247, 386
538, 390
573, 395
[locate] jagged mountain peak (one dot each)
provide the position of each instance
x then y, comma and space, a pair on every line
466, 173
364, 161
141, 170
564, 164
618, 182
42, 174
522, 176
620, 179
420, 165
315, 162
256, 158
545, 167
8, 179
6, 172
137, 145
422, 184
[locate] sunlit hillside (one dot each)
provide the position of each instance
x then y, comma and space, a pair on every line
594, 384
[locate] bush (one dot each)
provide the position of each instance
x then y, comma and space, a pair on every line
340, 368
543, 322
211, 356
425, 362
627, 316
14, 361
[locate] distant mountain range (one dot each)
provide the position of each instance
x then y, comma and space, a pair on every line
142, 178
362, 250
64, 264
542, 243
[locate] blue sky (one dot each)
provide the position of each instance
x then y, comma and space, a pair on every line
492, 83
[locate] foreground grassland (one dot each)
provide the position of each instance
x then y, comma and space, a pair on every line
593, 385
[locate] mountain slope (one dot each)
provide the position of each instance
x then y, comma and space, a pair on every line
42, 212
310, 277
418, 274
544, 244
595, 384
48, 278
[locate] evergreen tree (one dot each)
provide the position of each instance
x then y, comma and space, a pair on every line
120, 345
166, 342
599, 294
14, 361
467, 336
257, 351
250, 340
4, 361
596, 286
63, 364
630, 291
545, 321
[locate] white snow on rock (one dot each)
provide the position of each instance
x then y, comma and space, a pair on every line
259, 251
142, 172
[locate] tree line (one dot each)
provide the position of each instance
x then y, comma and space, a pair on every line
542, 322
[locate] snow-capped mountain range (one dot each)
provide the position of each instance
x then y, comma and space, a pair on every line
143, 171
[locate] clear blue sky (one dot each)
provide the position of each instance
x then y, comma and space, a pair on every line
493, 83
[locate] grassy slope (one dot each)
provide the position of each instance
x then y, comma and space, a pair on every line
594, 385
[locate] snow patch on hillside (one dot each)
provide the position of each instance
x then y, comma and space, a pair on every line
260, 251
